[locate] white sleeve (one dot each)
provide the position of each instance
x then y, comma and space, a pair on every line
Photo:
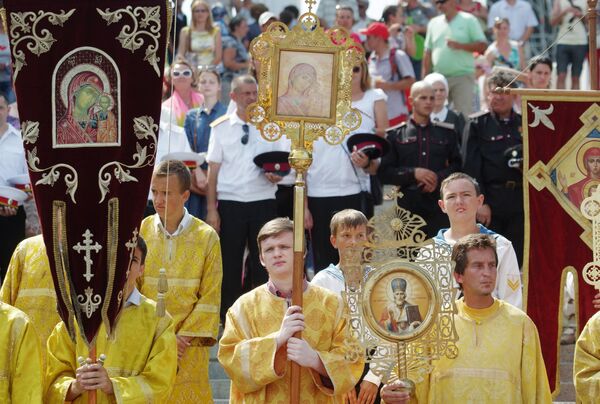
492, 15
405, 67
371, 377
215, 150
532, 20
508, 283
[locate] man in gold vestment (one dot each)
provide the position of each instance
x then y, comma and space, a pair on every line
499, 357
190, 251
28, 286
586, 365
141, 358
20, 359
258, 344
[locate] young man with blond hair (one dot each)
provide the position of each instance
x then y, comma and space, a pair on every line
258, 343
190, 252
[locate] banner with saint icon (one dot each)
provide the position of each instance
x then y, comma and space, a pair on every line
88, 79
561, 153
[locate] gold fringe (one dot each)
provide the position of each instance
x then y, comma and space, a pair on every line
163, 287
112, 246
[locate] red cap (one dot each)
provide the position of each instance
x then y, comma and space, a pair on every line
377, 29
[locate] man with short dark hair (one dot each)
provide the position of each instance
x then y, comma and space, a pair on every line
422, 154
499, 356
190, 252
241, 198
489, 136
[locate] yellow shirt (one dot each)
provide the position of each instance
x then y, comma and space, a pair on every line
192, 259
21, 377
248, 352
28, 286
499, 360
586, 365
141, 361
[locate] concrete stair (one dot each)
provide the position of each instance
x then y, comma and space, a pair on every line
219, 381
567, 389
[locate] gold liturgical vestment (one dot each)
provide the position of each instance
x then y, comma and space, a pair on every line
20, 359
248, 353
586, 366
141, 361
499, 361
192, 258
28, 286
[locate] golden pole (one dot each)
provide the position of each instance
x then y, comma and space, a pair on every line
592, 56
300, 159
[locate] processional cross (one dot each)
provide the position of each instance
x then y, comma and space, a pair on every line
590, 208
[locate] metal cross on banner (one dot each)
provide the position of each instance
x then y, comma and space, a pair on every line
87, 247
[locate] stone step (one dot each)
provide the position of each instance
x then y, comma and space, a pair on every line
220, 388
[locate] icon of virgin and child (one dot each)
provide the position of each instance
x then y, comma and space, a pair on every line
89, 116
303, 96
400, 316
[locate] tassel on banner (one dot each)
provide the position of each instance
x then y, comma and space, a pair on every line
163, 287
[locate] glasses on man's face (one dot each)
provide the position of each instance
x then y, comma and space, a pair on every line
440, 1
184, 73
200, 10
246, 130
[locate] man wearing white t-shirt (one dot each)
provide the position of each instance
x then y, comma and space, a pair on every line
520, 15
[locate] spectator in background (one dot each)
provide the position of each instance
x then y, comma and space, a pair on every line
254, 29
504, 51
219, 15
6, 88
540, 72
417, 15
441, 112
401, 36
521, 16
326, 10
287, 17
345, 19
266, 19
197, 129
390, 70
489, 135
451, 40
179, 21
184, 96
236, 59
362, 21
200, 43
572, 45
477, 8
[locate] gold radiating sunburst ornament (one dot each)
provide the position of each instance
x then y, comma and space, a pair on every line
400, 294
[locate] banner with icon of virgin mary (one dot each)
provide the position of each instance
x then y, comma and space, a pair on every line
88, 80
562, 167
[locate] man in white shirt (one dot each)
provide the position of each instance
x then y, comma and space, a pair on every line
12, 163
460, 199
520, 15
241, 198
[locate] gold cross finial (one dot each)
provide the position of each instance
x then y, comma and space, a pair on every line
310, 4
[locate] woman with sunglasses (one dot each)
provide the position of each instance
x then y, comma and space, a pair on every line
184, 96
200, 43
197, 128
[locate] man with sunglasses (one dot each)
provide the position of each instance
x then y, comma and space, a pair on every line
451, 40
241, 198
422, 154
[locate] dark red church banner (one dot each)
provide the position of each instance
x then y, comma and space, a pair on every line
561, 137
88, 77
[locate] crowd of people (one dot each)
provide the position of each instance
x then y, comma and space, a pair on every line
441, 135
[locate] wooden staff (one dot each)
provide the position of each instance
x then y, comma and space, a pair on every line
592, 56
300, 159
92, 393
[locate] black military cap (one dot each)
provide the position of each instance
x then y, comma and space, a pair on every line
275, 162
372, 145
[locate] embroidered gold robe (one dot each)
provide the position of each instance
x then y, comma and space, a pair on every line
28, 286
21, 377
586, 365
499, 361
247, 349
141, 361
194, 273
